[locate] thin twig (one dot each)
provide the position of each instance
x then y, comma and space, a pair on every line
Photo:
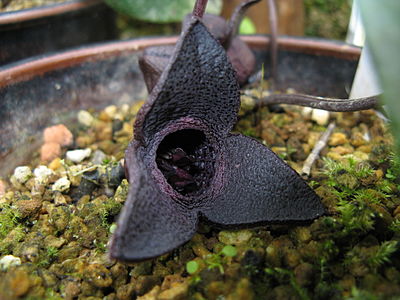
319, 145
199, 8
330, 104
236, 19
273, 25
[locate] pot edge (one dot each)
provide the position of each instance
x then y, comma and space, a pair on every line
38, 65
50, 10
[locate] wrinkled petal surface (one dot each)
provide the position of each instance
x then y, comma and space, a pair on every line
260, 188
151, 223
199, 83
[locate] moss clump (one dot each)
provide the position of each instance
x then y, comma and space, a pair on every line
284, 276
108, 211
327, 18
48, 256
359, 205
11, 228
11, 240
9, 218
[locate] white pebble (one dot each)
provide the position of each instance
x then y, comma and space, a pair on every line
61, 185
306, 112
2, 189
22, 174
8, 261
85, 118
42, 174
320, 116
367, 137
247, 102
124, 109
78, 155
265, 93
118, 116
111, 111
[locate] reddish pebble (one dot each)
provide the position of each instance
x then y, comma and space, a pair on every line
2, 188
50, 151
58, 134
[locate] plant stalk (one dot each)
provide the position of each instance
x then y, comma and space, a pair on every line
199, 8
273, 25
236, 19
330, 104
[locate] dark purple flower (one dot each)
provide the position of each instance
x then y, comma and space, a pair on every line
155, 59
184, 164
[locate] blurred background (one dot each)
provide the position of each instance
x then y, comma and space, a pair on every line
321, 18
31, 27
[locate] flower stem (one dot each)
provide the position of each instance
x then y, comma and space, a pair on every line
199, 8
273, 26
236, 19
330, 104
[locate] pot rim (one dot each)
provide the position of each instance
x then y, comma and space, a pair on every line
28, 68
44, 11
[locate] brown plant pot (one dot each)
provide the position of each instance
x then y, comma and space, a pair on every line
48, 28
51, 89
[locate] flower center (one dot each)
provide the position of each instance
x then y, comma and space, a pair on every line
186, 159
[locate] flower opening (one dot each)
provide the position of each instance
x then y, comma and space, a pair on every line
187, 161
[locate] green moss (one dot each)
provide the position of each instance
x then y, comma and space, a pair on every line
122, 191
327, 18
101, 247
48, 256
395, 226
351, 181
287, 276
9, 218
51, 295
393, 172
383, 253
357, 294
108, 211
8, 243
358, 170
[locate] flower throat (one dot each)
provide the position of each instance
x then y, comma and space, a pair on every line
187, 161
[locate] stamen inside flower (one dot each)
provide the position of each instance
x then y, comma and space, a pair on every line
186, 159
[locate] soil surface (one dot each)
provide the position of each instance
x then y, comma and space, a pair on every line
57, 215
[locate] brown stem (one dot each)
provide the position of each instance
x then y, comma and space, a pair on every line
199, 8
236, 19
273, 25
330, 104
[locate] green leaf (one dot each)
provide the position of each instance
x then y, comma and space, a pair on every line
160, 11
192, 267
382, 22
229, 251
247, 26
